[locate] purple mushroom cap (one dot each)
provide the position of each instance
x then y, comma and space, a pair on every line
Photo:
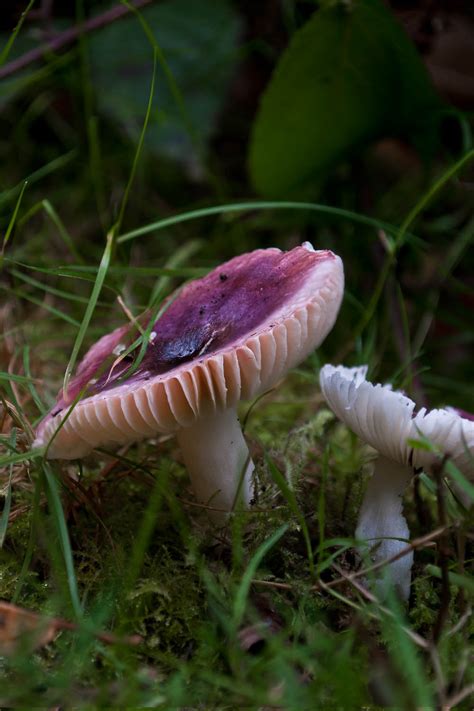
200, 349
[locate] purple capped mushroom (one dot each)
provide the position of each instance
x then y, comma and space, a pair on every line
223, 338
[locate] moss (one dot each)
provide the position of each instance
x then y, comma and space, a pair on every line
424, 602
167, 604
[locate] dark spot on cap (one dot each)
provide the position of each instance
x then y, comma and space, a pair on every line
205, 318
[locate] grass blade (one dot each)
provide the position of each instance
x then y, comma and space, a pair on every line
182, 254
21, 457
55, 505
31, 541
244, 586
42, 172
402, 236
262, 205
101, 274
81, 271
64, 234
136, 158
6, 50
7, 377
290, 498
11, 224
42, 304
8, 497
405, 656
30, 383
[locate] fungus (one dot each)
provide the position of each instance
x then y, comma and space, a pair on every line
225, 337
386, 420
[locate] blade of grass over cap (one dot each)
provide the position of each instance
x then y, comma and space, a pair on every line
155, 306
262, 205
101, 274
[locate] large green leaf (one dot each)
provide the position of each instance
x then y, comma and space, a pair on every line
349, 75
198, 41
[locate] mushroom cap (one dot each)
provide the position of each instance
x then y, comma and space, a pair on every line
223, 338
386, 419
450, 432
377, 414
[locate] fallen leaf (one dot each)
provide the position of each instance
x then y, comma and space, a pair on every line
22, 629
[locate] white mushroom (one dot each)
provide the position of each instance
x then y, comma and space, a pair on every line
385, 419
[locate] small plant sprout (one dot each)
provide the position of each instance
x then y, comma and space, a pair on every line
225, 337
386, 420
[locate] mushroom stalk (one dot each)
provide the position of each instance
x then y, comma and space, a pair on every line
382, 524
218, 462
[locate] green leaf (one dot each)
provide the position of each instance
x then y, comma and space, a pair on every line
348, 76
197, 41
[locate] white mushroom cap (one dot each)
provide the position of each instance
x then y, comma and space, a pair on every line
385, 419
449, 432
377, 414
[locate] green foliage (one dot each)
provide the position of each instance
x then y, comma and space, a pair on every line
348, 76
240, 617
197, 45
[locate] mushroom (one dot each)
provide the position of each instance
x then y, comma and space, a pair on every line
225, 337
385, 419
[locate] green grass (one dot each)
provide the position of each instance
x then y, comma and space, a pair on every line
267, 613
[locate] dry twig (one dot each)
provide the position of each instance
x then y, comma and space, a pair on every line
69, 36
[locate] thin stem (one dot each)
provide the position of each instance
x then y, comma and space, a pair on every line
381, 522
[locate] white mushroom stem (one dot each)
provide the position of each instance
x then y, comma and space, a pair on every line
382, 524
218, 462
